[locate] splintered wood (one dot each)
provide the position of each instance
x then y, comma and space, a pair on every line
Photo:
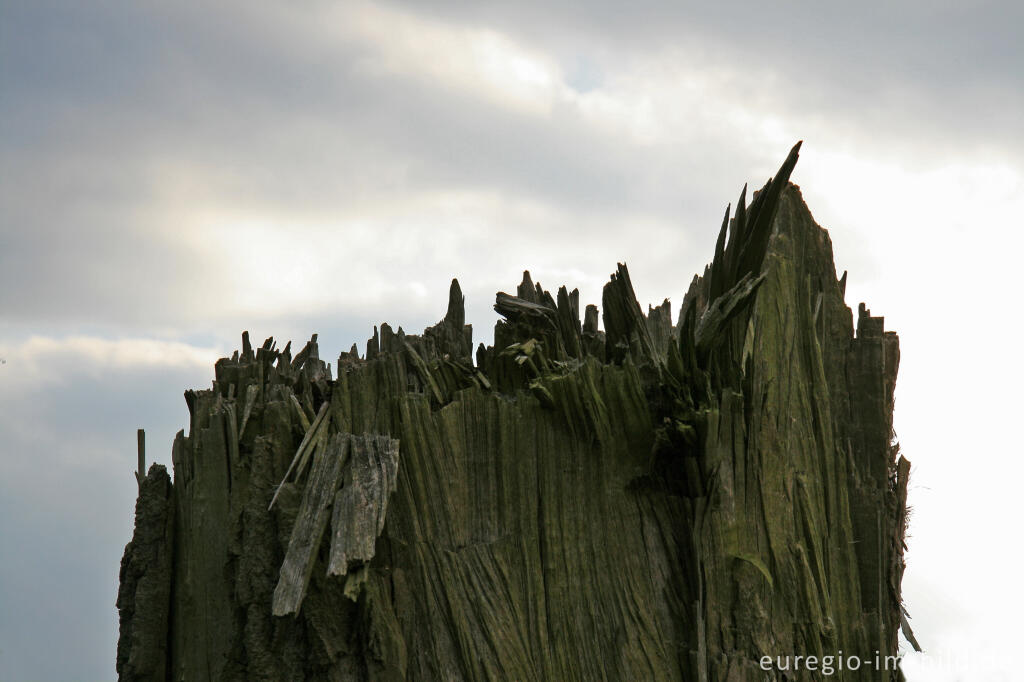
355, 474
361, 505
650, 500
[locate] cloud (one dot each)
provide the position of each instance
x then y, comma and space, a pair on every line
46, 363
269, 173
256, 128
145, 207
920, 76
477, 60
68, 397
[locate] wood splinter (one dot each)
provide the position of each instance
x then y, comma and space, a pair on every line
141, 473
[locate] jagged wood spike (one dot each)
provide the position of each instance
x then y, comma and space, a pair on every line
718, 273
306, 353
623, 319
373, 345
737, 235
740, 220
251, 392
568, 319
388, 339
284, 358
590, 319
752, 253
456, 315
140, 473
526, 290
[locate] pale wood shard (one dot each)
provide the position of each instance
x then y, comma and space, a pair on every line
310, 439
300, 412
360, 506
250, 401
324, 479
365, 468
318, 444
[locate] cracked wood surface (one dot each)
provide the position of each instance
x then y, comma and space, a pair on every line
644, 501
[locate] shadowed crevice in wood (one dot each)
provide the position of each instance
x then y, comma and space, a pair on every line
653, 500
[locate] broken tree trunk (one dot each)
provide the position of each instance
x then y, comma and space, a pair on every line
650, 501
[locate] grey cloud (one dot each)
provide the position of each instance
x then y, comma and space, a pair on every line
914, 41
311, 132
107, 103
920, 70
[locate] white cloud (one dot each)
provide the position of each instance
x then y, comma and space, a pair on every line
54, 360
476, 60
669, 97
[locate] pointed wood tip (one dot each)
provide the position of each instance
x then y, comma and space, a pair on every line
456, 314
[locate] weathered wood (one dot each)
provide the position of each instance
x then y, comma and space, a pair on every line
300, 413
424, 372
140, 473
144, 595
723, 309
308, 441
251, 391
653, 501
360, 506
324, 479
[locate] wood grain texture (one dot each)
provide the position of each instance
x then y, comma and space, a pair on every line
653, 500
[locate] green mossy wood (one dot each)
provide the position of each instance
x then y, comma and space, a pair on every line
647, 502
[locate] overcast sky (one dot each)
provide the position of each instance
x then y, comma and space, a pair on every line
174, 173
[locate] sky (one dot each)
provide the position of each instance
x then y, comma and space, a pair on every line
174, 173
